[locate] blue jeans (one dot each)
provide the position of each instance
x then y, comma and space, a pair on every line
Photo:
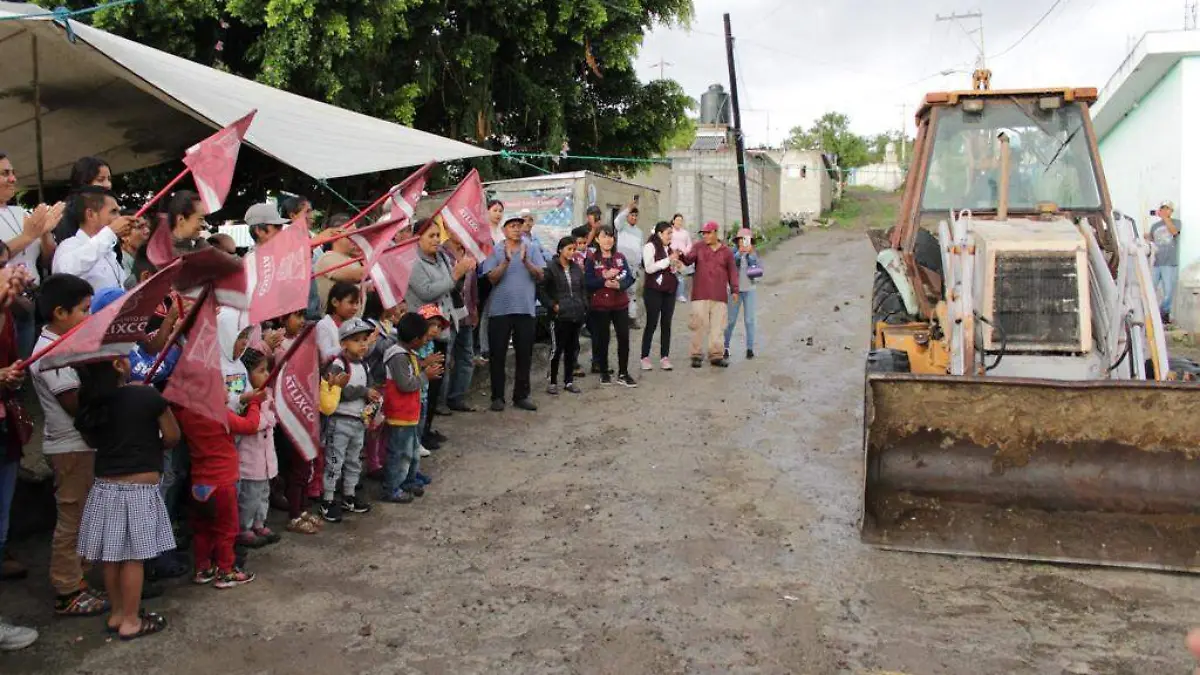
1166, 275
8, 487
745, 302
462, 353
403, 459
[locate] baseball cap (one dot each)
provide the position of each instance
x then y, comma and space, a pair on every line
711, 226
1167, 204
525, 213
105, 297
354, 327
745, 233
264, 214
594, 210
432, 311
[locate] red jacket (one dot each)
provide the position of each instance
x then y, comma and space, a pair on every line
716, 273
213, 454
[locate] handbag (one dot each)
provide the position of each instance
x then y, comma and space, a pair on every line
20, 424
754, 271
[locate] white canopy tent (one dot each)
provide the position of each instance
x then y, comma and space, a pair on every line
136, 106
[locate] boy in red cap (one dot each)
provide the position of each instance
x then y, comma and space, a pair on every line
437, 322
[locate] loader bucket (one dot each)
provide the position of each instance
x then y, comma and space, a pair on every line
1098, 473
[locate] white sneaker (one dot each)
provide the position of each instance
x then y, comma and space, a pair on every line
646, 364
424, 452
13, 637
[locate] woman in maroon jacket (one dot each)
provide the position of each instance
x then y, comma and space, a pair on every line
608, 276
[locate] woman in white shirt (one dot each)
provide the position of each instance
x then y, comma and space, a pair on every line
661, 263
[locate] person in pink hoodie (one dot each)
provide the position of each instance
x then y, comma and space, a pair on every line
257, 462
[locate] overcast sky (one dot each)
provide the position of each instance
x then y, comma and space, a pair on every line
801, 58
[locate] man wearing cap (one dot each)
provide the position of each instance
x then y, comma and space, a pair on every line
1164, 234
514, 268
264, 222
715, 280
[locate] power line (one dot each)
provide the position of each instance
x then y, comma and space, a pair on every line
1030, 31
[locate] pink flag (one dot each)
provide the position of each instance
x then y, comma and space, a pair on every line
372, 241
114, 330
392, 270
196, 382
296, 392
278, 273
212, 162
161, 248
404, 197
464, 215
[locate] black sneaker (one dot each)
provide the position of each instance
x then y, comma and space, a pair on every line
626, 381
431, 442
497, 405
697, 362
355, 505
525, 404
606, 378
749, 353
330, 511
720, 363
441, 438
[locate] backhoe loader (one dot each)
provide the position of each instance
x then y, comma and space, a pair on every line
1019, 401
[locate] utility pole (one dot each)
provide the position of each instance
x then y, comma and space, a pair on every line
737, 125
662, 68
903, 130
955, 17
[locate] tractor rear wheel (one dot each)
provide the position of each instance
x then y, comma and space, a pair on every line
887, 305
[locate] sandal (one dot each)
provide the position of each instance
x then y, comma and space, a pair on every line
84, 602
151, 623
315, 519
111, 631
302, 525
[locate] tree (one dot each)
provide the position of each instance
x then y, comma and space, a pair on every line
831, 134
506, 74
684, 136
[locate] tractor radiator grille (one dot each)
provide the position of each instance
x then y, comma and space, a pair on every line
1036, 300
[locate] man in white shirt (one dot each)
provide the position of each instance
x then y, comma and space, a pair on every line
91, 254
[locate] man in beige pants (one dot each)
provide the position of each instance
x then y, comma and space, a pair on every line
716, 278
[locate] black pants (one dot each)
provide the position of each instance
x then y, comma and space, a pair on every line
659, 306
602, 321
522, 328
566, 349
435, 387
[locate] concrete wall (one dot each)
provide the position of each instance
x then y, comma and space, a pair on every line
805, 185
883, 176
1141, 155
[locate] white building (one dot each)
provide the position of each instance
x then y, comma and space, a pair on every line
1148, 125
807, 182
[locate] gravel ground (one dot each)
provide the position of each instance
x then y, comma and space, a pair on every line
702, 523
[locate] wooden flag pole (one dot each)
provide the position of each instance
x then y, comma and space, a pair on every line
161, 193
180, 326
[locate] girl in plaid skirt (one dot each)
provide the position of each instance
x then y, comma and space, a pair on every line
125, 520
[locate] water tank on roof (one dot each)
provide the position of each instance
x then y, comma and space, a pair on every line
714, 106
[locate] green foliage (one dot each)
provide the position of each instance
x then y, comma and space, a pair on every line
831, 134
517, 74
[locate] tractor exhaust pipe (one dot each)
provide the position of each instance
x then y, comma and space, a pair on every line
1005, 162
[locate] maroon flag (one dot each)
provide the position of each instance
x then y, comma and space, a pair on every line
212, 162
296, 391
196, 382
376, 239
278, 273
114, 330
464, 214
392, 270
403, 198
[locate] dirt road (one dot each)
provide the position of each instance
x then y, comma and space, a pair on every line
703, 523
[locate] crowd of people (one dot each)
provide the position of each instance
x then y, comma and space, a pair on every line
139, 480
